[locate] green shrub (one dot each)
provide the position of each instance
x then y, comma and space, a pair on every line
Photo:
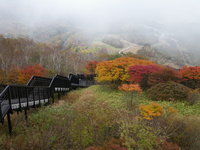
138, 136
170, 91
191, 83
193, 97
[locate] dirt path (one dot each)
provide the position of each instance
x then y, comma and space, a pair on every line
133, 49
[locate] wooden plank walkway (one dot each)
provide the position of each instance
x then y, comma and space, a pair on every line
37, 92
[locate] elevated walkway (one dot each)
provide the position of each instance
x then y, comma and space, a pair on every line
37, 92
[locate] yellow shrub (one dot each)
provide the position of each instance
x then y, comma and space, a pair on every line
151, 111
117, 69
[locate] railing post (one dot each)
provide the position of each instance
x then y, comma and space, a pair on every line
59, 94
39, 96
52, 94
19, 98
43, 93
1, 115
9, 99
9, 123
49, 95
27, 98
33, 97
25, 113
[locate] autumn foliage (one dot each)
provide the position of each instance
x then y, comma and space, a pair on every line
117, 70
150, 111
190, 73
149, 75
130, 88
26, 73
138, 72
191, 76
91, 67
12, 76
164, 75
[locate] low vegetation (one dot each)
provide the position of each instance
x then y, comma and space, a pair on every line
98, 118
139, 105
170, 91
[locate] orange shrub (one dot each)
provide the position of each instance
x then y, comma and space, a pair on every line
117, 70
190, 73
150, 111
130, 88
26, 73
13, 75
191, 76
91, 67
171, 110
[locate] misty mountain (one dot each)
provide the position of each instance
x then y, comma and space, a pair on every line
108, 25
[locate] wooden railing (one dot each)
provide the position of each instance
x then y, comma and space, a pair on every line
37, 92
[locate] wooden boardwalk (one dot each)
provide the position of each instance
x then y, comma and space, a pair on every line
37, 92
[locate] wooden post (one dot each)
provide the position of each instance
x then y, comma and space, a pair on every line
9, 99
19, 98
25, 113
27, 100
52, 94
59, 94
9, 123
34, 97
39, 96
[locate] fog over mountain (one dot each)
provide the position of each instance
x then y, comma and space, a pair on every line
170, 26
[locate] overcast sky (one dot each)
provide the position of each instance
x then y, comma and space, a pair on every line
167, 11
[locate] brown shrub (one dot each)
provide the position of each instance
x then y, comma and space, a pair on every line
169, 146
170, 91
187, 136
72, 96
114, 144
93, 148
163, 76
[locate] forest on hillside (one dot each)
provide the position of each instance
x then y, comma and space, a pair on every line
18, 54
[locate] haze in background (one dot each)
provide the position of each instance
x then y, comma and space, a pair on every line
105, 12
172, 26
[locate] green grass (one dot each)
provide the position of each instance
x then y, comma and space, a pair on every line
183, 108
69, 124
82, 120
117, 98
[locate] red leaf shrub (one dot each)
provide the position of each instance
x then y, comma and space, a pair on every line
116, 71
149, 75
191, 76
137, 72
26, 73
190, 73
166, 74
